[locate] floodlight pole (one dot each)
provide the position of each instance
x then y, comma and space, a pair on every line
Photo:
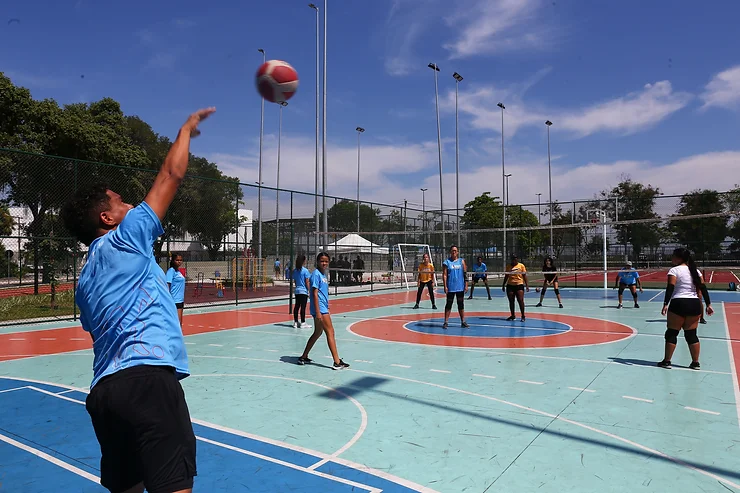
503, 179
316, 190
435, 68
458, 79
359, 130
323, 143
549, 179
259, 178
277, 191
423, 213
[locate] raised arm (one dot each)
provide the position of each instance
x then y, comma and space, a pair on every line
175, 165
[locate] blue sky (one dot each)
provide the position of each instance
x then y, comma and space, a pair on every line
647, 89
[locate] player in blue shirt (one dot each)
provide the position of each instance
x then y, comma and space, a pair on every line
301, 277
479, 274
176, 284
320, 312
136, 403
628, 277
454, 277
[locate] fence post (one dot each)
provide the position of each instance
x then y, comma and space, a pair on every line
236, 249
74, 259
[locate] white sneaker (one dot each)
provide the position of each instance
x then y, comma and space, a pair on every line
296, 325
306, 326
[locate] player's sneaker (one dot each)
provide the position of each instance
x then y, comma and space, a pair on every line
304, 361
340, 366
665, 364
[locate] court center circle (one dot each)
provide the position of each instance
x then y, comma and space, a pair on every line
488, 326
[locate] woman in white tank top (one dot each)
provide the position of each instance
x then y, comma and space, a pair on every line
682, 305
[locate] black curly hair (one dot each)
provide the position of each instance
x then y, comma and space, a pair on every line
81, 215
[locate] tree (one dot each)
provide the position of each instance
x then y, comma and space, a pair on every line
705, 235
214, 213
732, 203
483, 212
636, 201
342, 216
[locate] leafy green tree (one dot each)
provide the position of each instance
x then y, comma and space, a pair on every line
705, 235
483, 212
342, 216
732, 203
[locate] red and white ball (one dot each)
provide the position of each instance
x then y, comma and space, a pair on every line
277, 81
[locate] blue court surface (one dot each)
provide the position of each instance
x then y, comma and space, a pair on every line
570, 400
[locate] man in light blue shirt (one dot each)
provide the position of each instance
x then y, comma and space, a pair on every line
628, 277
136, 403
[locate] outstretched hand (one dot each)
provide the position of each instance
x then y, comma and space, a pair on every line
197, 117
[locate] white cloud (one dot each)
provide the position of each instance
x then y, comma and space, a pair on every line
473, 27
390, 173
487, 27
628, 114
723, 90
623, 115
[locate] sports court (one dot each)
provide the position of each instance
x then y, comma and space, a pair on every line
570, 400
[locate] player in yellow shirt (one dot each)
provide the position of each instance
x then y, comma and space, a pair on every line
426, 279
515, 282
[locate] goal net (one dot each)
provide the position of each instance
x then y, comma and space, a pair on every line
406, 260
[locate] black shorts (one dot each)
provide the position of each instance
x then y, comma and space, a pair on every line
685, 307
143, 426
513, 288
478, 277
180, 305
623, 286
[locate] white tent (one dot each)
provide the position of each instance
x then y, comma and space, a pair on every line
354, 243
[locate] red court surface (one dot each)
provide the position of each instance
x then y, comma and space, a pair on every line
53, 341
585, 332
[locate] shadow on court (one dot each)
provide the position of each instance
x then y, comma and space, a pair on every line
294, 361
371, 384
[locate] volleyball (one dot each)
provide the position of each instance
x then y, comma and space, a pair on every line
277, 81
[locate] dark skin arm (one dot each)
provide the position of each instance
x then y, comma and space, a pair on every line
172, 172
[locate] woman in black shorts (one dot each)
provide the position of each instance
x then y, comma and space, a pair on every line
550, 280
683, 307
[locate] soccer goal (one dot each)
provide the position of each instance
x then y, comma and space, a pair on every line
407, 257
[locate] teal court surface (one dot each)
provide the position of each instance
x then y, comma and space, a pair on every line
569, 400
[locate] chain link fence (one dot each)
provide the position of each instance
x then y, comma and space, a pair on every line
215, 225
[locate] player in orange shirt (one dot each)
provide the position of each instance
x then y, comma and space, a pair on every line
426, 279
515, 282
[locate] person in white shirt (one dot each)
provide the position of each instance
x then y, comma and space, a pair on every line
683, 307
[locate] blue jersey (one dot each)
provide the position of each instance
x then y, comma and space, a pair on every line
628, 276
319, 283
480, 270
455, 275
299, 277
124, 301
177, 284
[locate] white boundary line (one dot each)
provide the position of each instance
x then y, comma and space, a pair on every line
338, 460
50, 458
733, 369
651, 299
565, 420
701, 410
13, 389
291, 465
637, 399
733, 273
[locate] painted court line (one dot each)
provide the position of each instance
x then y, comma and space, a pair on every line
49, 458
581, 390
190, 343
17, 339
56, 395
483, 376
77, 339
564, 420
48, 339
440, 371
400, 366
531, 382
701, 410
733, 367
362, 361
651, 299
12, 390
290, 465
637, 399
